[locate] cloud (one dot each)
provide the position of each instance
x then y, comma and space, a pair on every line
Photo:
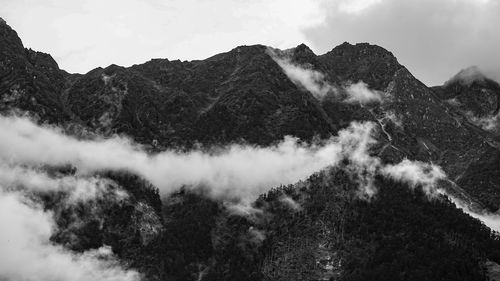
310, 79
234, 172
359, 92
315, 82
78, 188
489, 219
290, 203
28, 254
416, 173
434, 39
358, 139
237, 174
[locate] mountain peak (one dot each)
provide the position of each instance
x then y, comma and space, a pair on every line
9, 40
362, 49
467, 76
303, 48
370, 63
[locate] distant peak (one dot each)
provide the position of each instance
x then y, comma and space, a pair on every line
467, 76
303, 47
364, 49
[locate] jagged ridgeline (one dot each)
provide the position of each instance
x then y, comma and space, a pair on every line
317, 229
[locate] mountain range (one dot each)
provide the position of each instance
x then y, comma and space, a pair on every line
257, 96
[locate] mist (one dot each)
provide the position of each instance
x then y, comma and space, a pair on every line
236, 173
467, 76
491, 220
36, 180
233, 171
316, 83
359, 92
310, 79
28, 254
241, 172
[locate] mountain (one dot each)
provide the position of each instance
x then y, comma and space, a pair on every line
245, 96
475, 95
477, 99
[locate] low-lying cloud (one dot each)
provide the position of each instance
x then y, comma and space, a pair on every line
489, 219
416, 173
360, 93
78, 188
28, 254
236, 171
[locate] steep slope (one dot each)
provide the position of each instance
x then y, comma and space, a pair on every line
239, 95
416, 123
399, 235
242, 94
29, 80
476, 100
475, 96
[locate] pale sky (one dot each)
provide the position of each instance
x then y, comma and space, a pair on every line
433, 38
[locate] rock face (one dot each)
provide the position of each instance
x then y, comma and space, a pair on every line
245, 96
476, 99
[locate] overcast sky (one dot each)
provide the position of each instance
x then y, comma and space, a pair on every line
434, 39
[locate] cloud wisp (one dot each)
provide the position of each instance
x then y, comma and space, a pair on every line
360, 93
489, 219
316, 83
78, 188
310, 79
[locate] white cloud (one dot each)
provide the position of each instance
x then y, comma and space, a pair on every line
78, 188
491, 220
316, 83
28, 254
310, 79
237, 171
290, 203
416, 173
359, 92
